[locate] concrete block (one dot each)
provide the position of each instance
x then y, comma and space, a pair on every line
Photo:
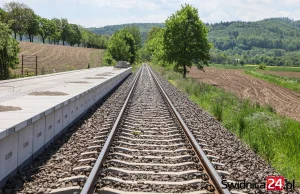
38, 136
66, 115
58, 121
8, 155
72, 110
25, 145
50, 128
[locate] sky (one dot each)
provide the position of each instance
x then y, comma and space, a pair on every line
98, 13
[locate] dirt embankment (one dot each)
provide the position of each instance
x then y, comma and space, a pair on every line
57, 58
285, 101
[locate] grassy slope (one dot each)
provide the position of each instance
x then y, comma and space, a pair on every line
275, 138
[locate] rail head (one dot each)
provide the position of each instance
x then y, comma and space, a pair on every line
212, 173
92, 180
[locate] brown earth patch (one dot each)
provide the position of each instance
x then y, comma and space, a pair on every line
79, 82
9, 108
94, 78
48, 93
285, 101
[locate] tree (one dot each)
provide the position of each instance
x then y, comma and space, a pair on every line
32, 27
3, 15
155, 45
129, 40
185, 39
75, 35
57, 30
8, 51
118, 48
46, 28
19, 16
136, 34
65, 30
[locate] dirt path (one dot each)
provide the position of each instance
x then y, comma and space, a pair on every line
286, 102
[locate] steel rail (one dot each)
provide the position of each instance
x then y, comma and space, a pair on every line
212, 173
92, 180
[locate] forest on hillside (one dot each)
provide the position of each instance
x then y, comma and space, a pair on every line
111, 29
273, 41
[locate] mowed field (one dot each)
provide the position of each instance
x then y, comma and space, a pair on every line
57, 58
285, 101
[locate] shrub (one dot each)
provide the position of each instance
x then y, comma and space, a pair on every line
262, 66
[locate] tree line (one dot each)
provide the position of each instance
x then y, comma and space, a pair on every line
23, 21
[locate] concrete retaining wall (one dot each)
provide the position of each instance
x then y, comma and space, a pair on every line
25, 141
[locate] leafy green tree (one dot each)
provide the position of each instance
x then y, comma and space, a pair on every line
65, 30
125, 35
75, 35
46, 28
136, 34
185, 39
19, 16
3, 15
118, 49
32, 27
155, 45
9, 50
57, 30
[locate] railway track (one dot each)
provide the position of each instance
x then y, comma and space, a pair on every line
148, 149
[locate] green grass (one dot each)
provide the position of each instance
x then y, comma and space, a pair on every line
253, 67
286, 82
232, 66
275, 138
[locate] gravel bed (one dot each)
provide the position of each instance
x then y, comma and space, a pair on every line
59, 159
194, 166
240, 161
146, 112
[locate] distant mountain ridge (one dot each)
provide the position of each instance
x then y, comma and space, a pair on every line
272, 33
274, 41
144, 28
110, 29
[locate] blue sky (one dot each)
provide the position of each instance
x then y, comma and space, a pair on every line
97, 13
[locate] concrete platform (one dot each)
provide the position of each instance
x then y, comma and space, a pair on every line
25, 133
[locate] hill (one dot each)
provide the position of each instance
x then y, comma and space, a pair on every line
57, 58
144, 28
274, 41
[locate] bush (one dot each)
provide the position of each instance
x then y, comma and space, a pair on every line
262, 66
